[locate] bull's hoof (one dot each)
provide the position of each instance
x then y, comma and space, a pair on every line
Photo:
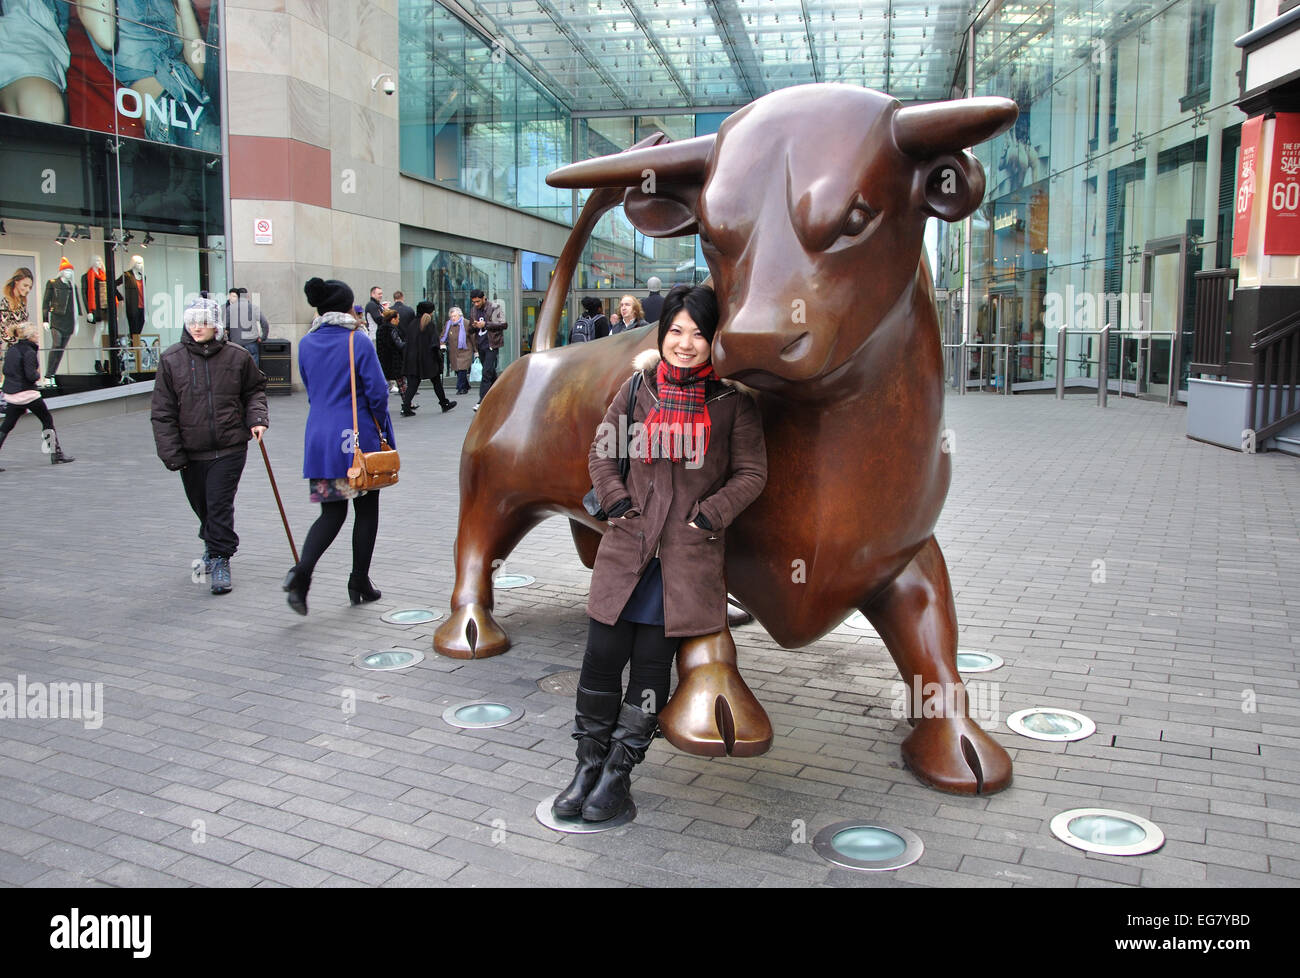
470, 633
713, 713
955, 755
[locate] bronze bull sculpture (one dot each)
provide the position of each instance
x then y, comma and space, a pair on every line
810, 204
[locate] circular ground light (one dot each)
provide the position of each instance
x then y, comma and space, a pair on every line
1051, 723
869, 847
1106, 831
859, 621
970, 661
576, 826
480, 714
505, 582
410, 616
389, 659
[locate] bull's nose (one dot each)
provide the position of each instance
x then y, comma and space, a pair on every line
797, 348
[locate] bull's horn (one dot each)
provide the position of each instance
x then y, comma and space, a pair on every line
672, 161
924, 131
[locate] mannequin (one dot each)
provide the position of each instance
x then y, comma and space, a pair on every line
59, 309
94, 291
132, 281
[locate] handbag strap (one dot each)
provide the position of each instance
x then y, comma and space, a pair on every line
624, 462
352, 377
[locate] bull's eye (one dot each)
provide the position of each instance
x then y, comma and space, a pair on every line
858, 220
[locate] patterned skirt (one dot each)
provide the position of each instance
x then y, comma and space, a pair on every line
333, 490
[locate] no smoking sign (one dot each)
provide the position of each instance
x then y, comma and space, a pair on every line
262, 231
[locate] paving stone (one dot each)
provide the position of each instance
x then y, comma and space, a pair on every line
204, 724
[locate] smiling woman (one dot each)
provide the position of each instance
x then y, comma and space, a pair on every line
658, 575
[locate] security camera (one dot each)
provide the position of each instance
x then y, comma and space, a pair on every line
390, 86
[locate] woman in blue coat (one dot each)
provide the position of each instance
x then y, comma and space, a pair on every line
326, 372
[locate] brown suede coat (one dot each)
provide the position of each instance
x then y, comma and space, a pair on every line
666, 496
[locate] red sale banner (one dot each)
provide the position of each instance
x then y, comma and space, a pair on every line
1282, 219
1245, 186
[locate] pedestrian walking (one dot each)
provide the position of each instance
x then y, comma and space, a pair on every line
630, 314
22, 372
421, 359
388, 346
456, 337
245, 324
327, 370
209, 399
653, 305
659, 573
489, 323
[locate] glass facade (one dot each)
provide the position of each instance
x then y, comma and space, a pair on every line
472, 120
110, 140
1112, 189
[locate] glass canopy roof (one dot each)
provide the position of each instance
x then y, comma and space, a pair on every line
657, 54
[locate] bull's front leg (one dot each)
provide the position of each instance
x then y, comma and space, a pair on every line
484, 538
916, 617
712, 712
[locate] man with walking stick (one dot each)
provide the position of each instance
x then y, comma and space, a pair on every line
209, 399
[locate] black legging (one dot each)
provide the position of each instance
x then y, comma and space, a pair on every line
365, 527
610, 647
15, 411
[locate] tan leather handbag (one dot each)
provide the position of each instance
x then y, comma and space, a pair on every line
370, 470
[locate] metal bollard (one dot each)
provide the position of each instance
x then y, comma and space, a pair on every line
1103, 365
1060, 364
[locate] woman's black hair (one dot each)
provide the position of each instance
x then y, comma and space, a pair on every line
697, 300
591, 305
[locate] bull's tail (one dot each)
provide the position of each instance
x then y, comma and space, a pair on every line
600, 201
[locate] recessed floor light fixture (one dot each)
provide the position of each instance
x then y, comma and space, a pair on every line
968, 660
859, 621
578, 826
1104, 830
389, 660
410, 616
480, 714
506, 582
1051, 723
868, 846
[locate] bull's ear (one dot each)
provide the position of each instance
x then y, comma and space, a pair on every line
949, 186
668, 213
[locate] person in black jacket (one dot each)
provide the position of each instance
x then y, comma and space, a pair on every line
421, 359
209, 399
22, 370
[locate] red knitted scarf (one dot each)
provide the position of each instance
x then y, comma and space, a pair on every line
680, 417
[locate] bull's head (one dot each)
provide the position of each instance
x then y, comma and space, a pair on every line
810, 204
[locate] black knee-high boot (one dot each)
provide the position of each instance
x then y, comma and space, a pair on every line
593, 725
57, 456
628, 744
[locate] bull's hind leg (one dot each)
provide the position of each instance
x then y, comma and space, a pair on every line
485, 538
712, 712
587, 541
917, 619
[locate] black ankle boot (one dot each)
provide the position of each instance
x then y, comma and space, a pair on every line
297, 585
627, 749
360, 589
592, 726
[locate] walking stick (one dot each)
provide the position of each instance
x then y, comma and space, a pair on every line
275, 489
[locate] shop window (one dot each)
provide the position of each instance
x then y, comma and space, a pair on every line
1200, 56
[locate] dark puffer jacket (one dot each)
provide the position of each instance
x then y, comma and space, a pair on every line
206, 399
22, 367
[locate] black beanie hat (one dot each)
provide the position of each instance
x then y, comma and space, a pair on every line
328, 296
